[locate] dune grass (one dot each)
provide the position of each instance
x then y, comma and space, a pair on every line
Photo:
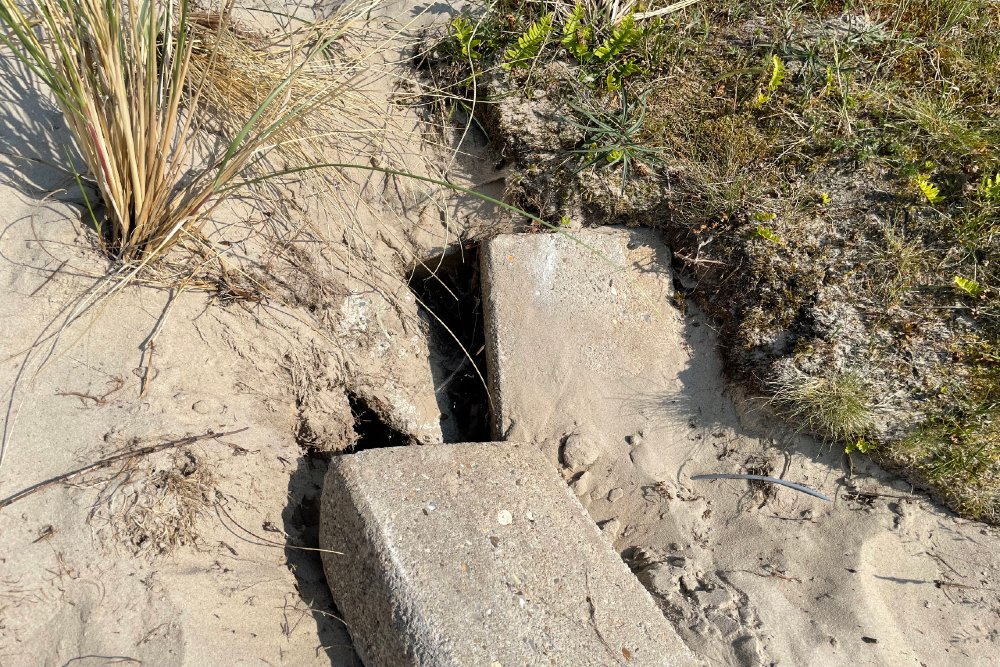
134, 80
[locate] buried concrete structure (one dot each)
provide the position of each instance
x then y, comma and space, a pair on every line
478, 554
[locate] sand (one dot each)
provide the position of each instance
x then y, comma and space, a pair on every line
188, 556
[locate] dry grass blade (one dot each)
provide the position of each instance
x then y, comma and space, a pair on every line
132, 76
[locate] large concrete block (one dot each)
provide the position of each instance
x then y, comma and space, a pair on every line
478, 554
583, 343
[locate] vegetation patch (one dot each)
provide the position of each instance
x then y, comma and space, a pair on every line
827, 172
143, 87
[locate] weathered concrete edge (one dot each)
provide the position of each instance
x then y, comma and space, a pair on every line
494, 369
364, 546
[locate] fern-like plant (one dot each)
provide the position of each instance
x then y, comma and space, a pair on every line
464, 33
576, 36
529, 44
625, 35
930, 191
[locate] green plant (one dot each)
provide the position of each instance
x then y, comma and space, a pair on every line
767, 234
968, 286
958, 455
834, 406
625, 35
615, 138
124, 75
930, 191
862, 445
463, 31
529, 43
576, 35
777, 78
989, 188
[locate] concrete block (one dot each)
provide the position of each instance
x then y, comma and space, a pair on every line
583, 342
478, 554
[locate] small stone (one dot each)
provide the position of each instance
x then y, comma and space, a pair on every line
430, 508
583, 484
505, 518
615, 494
611, 527
689, 584
529, 515
579, 452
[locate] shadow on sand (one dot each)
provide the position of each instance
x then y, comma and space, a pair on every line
301, 525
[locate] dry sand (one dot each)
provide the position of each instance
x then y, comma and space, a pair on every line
89, 572
86, 574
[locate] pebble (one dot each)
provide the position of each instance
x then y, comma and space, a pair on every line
579, 452
584, 484
615, 494
505, 518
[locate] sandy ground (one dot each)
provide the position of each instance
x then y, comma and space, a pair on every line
756, 575
595, 363
189, 556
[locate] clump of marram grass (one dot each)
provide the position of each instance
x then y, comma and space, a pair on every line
835, 406
133, 79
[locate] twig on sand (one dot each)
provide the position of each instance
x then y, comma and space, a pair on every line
765, 478
221, 512
103, 463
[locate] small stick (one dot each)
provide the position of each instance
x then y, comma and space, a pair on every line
765, 478
103, 463
49, 278
98, 400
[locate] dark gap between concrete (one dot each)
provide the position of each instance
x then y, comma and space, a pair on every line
371, 430
300, 523
448, 290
